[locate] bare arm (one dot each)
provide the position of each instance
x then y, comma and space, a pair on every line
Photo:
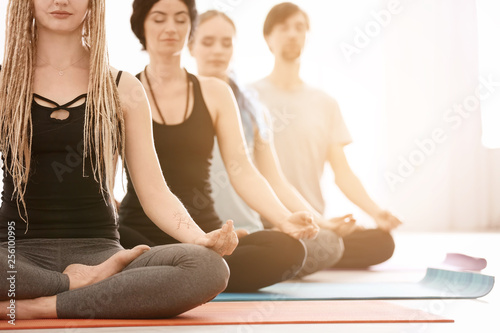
245, 178
158, 202
351, 186
267, 162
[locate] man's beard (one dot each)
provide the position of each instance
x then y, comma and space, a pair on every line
291, 52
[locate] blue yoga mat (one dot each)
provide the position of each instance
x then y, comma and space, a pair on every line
437, 283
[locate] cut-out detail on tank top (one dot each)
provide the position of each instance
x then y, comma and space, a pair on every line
60, 113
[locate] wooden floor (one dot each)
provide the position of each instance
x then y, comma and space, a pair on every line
414, 252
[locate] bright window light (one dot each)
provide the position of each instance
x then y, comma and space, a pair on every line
489, 65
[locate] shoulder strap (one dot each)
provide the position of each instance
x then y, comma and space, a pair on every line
196, 85
118, 77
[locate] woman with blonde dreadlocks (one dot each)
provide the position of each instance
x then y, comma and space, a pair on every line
59, 239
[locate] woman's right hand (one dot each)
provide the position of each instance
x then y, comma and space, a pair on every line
223, 240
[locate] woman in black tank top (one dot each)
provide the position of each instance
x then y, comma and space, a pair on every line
187, 113
58, 230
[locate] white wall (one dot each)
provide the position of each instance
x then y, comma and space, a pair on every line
392, 92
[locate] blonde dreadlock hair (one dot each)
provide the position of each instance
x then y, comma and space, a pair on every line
104, 124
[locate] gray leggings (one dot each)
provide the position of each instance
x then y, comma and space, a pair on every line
322, 252
360, 249
161, 283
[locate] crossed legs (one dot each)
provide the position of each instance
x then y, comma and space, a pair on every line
110, 282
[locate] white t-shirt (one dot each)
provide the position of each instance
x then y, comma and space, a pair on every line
306, 122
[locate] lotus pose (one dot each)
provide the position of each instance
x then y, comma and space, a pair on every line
212, 47
65, 116
318, 134
188, 112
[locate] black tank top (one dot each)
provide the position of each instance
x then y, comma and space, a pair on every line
185, 152
61, 201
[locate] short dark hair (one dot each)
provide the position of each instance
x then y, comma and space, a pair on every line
141, 10
280, 13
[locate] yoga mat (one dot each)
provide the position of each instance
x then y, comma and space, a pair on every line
437, 283
253, 313
452, 261
465, 262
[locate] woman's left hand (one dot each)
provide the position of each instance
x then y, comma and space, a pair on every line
342, 226
300, 225
386, 221
223, 240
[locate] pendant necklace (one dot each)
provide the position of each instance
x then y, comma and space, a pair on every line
60, 71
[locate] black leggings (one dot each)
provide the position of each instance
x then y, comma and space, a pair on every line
365, 248
261, 259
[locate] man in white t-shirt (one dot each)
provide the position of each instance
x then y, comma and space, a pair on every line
309, 131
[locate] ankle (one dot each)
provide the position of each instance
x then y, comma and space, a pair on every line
38, 308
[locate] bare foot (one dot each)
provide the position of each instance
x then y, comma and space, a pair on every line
38, 308
83, 275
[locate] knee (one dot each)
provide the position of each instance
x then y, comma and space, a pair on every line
322, 252
385, 245
293, 249
202, 269
286, 252
293, 252
212, 269
329, 247
218, 270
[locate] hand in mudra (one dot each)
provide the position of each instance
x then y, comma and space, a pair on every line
300, 225
342, 226
386, 221
223, 240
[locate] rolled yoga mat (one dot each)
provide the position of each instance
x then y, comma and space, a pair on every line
253, 313
452, 261
437, 283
